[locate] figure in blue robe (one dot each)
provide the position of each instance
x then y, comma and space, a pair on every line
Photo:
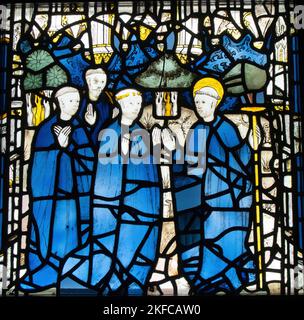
95, 109
121, 254
60, 189
213, 199
103, 114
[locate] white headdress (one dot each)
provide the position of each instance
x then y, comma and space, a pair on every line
90, 72
65, 90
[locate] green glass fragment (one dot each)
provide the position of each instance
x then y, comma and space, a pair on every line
55, 77
33, 81
38, 60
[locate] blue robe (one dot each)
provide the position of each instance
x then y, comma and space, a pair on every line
60, 185
104, 114
126, 222
213, 208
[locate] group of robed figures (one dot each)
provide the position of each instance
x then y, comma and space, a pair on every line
96, 219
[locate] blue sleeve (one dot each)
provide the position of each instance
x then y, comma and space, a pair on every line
195, 155
229, 134
104, 110
187, 177
84, 160
44, 170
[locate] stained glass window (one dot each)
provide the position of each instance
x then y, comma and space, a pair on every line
151, 148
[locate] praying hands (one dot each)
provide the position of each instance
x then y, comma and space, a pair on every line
63, 135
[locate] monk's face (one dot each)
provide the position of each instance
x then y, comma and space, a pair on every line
130, 107
69, 103
205, 106
96, 83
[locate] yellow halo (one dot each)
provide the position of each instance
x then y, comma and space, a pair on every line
211, 83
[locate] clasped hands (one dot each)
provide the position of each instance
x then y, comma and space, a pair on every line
166, 136
63, 135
